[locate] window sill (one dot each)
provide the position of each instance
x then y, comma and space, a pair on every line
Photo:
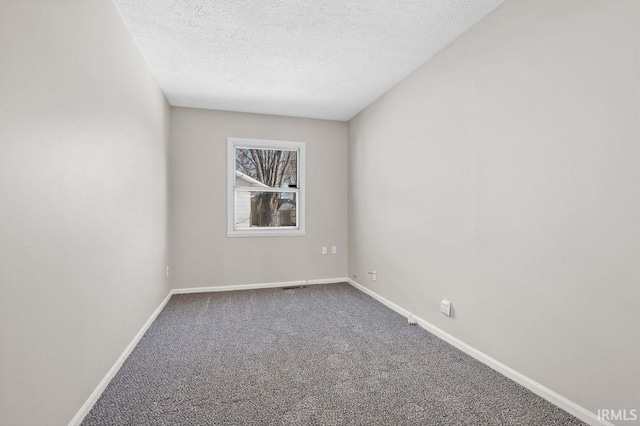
264, 233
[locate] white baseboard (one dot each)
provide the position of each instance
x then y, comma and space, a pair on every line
535, 387
95, 395
256, 286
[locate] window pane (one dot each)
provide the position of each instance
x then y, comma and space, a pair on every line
266, 168
262, 209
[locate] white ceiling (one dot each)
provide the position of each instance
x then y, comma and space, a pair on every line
324, 59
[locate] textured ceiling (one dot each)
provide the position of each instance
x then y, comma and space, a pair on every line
307, 58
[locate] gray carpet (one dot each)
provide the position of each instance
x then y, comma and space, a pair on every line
324, 354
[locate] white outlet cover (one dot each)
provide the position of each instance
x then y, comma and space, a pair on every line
445, 307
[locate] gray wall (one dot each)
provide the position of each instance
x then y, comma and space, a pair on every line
504, 175
83, 134
202, 254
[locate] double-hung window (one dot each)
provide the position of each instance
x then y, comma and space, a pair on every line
266, 194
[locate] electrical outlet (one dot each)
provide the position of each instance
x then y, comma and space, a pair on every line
445, 307
374, 275
324, 250
334, 249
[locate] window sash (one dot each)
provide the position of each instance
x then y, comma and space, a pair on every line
257, 189
264, 228
269, 148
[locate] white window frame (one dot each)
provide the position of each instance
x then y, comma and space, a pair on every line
232, 231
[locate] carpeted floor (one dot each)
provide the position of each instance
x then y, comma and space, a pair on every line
324, 354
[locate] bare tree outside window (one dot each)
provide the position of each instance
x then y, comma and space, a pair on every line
271, 168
